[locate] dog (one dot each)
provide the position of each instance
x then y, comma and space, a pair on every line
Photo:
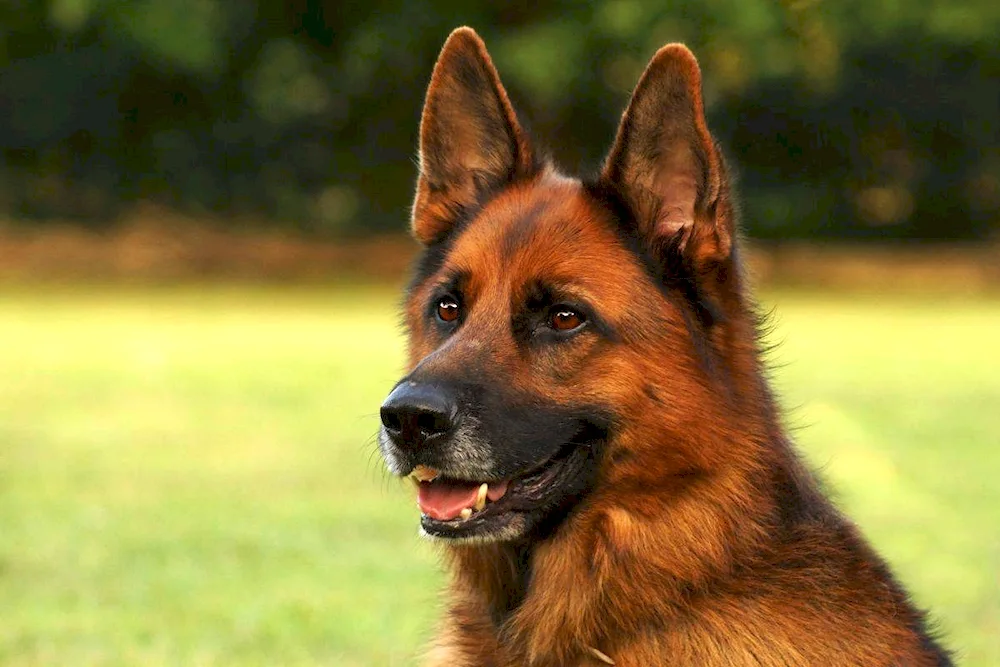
587, 416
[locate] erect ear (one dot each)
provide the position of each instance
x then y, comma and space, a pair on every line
470, 140
666, 164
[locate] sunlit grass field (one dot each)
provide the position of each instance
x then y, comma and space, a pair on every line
187, 475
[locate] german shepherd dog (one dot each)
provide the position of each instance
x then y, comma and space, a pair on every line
586, 413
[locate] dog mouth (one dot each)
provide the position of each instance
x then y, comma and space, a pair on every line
497, 509
447, 499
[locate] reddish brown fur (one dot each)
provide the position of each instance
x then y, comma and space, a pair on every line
703, 541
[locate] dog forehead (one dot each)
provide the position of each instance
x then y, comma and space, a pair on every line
548, 230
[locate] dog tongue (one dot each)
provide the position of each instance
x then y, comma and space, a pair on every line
445, 499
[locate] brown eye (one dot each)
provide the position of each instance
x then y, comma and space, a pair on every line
564, 318
447, 309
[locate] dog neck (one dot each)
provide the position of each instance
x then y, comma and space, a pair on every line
549, 601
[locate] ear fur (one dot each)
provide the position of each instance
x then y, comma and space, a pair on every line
666, 164
470, 139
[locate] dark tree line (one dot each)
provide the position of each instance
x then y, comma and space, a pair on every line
843, 119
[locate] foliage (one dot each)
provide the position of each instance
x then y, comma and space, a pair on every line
847, 118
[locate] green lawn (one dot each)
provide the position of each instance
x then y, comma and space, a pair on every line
187, 476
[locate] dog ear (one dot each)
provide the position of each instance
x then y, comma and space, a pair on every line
666, 164
470, 140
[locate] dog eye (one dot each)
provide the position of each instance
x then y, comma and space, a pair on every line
448, 309
564, 318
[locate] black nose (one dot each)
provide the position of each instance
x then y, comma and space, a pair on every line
414, 413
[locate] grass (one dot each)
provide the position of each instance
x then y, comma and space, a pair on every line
186, 474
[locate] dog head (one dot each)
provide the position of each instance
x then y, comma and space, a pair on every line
564, 336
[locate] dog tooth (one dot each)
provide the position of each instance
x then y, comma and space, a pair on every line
466, 513
424, 473
481, 496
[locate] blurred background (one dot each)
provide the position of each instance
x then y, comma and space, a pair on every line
203, 207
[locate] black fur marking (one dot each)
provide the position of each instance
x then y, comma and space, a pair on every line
529, 318
796, 496
665, 264
518, 557
621, 455
522, 231
436, 252
434, 255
